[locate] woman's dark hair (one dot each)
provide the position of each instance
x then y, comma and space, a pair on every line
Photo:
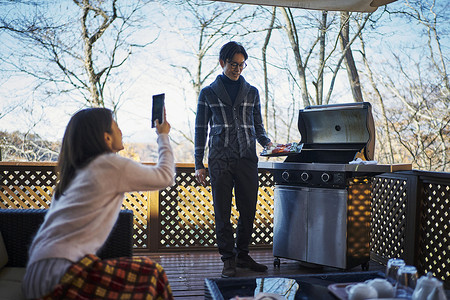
83, 141
230, 49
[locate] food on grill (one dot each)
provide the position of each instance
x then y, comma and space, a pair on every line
282, 149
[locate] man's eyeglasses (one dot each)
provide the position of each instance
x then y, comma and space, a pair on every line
235, 65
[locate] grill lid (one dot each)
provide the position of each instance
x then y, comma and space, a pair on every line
336, 133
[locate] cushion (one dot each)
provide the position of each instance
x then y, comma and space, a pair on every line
3, 253
10, 290
12, 274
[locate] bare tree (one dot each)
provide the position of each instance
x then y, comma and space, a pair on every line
411, 90
18, 147
328, 59
423, 90
352, 71
292, 33
69, 53
388, 151
7, 110
322, 40
203, 27
264, 61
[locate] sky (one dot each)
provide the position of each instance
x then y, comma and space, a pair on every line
148, 73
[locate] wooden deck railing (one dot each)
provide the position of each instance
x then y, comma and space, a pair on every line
176, 218
411, 220
410, 213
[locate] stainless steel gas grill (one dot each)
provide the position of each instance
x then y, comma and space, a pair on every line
322, 201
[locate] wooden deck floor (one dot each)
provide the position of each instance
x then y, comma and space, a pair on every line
187, 271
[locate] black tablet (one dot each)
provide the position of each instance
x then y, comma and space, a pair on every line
157, 108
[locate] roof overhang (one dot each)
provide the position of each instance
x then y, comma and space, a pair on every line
329, 5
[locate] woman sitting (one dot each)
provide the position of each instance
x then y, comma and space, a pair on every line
85, 206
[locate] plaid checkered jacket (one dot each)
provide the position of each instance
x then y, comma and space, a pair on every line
234, 126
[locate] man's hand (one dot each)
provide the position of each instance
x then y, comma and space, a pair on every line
200, 175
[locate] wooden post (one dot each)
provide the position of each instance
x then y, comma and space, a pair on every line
153, 223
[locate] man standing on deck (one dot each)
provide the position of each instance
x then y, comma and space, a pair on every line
231, 108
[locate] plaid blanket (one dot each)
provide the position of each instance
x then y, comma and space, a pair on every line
121, 278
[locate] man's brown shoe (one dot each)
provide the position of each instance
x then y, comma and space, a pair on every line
229, 268
249, 263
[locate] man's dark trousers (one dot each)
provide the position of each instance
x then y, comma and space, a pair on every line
242, 174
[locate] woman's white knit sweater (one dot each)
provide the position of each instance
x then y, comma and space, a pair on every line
79, 222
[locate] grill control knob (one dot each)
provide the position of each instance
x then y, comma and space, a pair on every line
304, 176
325, 177
285, 175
